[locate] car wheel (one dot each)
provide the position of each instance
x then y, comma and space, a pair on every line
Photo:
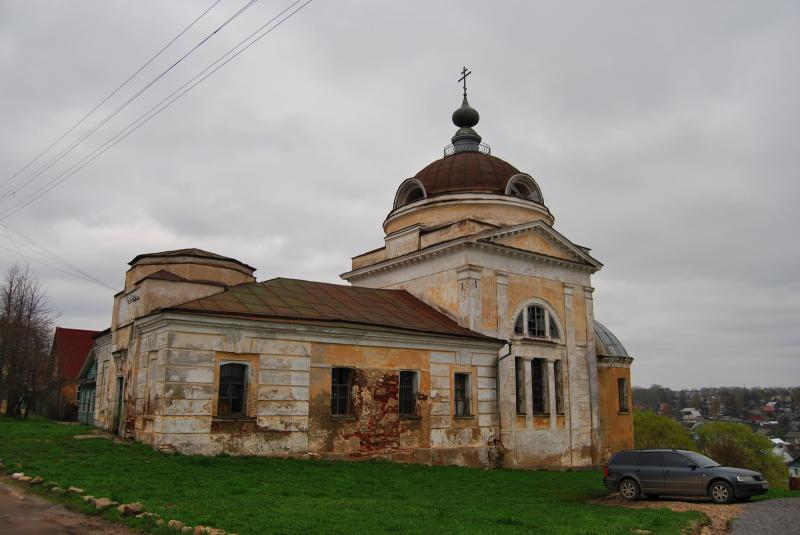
629, 489
721, 492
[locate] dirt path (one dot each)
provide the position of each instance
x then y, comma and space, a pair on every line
28, 514
718, 514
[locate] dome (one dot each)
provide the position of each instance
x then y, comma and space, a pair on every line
606, 343
473, 172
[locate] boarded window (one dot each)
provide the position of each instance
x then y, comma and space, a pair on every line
408, 393
536, 321
553, 328
541, 397
341, 383
558, 371
622, 390
230, 402
462, 400
519, 379
519, 327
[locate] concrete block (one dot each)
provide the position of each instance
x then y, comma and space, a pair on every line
181, 424
209, 342
488, 420
283, 393
280, 347
487, 407
440, 369
486, 395
487, 371
185, 407
273, 362
188, 391
487, 382
482, 359
283, 423
282, 408
440, 382
440, 409
189, 374
187, 357
440, 422
278, 378
442, 358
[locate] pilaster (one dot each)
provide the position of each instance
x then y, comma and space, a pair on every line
469, 297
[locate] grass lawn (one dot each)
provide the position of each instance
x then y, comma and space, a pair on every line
253, 495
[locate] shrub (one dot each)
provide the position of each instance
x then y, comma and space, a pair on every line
737, 445
653, 431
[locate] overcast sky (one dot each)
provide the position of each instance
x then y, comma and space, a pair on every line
664, 136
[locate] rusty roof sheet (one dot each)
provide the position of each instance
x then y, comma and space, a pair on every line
197, 253
295, 299
466, 172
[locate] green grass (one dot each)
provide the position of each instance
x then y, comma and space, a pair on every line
253, 495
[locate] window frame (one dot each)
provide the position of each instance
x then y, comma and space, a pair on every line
348, 385
467, 395
521, 326
413, 396
540, 397
231, 415
623, 399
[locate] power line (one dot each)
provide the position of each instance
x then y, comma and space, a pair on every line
122, 134
114, 92
66, 272
51, 255
50, 163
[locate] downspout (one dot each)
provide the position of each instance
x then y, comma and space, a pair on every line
497, 387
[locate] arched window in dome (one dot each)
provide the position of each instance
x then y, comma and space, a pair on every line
524, 187
536, 320
411, 190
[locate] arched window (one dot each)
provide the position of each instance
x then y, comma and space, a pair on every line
524, 187
536, 321
232, 379
411, 190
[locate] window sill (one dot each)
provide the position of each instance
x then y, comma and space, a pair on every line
623, 412
464, 416
410, 417
342, 417
233, 418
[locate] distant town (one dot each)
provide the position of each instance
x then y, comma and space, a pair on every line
770, 411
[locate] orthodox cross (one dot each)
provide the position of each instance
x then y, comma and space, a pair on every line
464, 74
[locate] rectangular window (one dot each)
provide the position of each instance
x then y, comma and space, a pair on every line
541, 396
519, 379
408, 393
341, 383
559, 373
622, 389
230, 401
462, 387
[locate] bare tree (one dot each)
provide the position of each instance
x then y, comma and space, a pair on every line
26, 322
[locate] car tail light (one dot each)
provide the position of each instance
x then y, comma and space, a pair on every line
605, 471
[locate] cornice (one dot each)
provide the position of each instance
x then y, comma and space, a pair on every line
356, 335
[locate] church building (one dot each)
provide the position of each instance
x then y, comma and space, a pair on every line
469, 338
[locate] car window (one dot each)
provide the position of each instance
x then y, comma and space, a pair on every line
627, 458
650, 458
675, 460
701, 460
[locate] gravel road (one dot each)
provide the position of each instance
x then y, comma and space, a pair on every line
770, 516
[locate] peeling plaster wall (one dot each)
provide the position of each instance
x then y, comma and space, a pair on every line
171, 387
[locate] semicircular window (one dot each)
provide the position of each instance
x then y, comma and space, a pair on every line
524, 188
410, 191
535, 321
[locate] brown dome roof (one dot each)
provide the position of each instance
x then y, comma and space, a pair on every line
466, 171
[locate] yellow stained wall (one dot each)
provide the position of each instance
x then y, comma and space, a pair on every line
616, 427
501, 214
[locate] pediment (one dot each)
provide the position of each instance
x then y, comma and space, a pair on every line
540, 238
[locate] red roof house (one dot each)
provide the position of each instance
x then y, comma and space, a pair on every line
69, 351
